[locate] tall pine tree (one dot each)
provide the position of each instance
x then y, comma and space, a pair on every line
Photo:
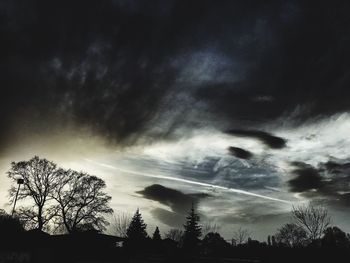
193, 231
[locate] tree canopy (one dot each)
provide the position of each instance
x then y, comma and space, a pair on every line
291, 235
39, 181
81, 200
66, 198
313, 219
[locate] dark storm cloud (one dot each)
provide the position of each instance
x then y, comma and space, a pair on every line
240, 153
336, 168
268, 139
179, 202
110, 65
96, 64
329, 182
306, 178
298, 60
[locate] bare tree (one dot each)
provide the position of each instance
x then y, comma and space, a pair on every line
39, 181
241, 236
314, 220
120, 223
81, 201
210, 227
175, 234
291, 235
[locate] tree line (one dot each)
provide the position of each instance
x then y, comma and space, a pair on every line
64, 200
310, 227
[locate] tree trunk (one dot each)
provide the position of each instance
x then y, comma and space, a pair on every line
40, 219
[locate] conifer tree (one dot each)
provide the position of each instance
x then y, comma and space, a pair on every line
156, 235
193, 230
137, 228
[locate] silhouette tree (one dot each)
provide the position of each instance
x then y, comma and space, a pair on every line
291, 235
193, 231
175, 235
213, 243
81, 201
334, 237
137, 229
314, 220
156, 235
241, 236
209, 227
39, 181
120, 224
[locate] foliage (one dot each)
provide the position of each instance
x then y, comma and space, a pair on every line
213, 243
334, 237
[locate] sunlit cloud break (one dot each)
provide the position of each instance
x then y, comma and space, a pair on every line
238, 191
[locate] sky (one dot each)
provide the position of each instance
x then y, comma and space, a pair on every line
241, 107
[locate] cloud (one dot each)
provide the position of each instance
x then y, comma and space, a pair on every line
306, 178
328, 183
115, 70
268, 139
240, 153
178, 202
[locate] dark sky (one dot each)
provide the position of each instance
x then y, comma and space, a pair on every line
250, 95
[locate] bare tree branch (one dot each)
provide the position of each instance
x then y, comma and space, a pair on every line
120, 223
81, 200
314, 220
39, 181
241, 235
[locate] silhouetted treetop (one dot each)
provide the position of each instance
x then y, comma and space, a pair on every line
39, 181
65, 197
334, 237
137, 228
81, 200
193, 230
156, 235
291, 235
313, 219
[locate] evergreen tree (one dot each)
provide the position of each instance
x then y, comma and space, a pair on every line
156, 235
137, 228
193, 230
